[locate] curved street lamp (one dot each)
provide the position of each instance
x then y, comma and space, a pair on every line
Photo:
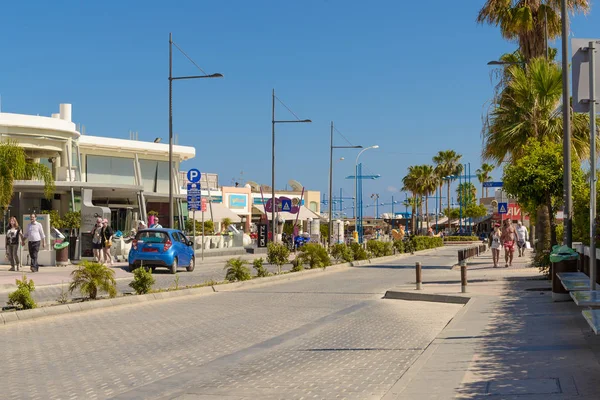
356, 183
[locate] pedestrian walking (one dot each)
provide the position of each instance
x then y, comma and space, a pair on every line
97, 240
106, 234
522, 235
494, 239
34, 235
14, 236
508, 240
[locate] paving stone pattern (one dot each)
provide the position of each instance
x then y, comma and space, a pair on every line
330, 336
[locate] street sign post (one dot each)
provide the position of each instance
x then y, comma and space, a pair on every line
193, 196
492, 184
194, 175
263, 236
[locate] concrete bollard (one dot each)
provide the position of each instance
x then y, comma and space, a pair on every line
463, 277
419, 276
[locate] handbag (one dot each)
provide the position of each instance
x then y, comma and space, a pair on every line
527, 244
109, 243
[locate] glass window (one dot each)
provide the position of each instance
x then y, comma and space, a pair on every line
313, 206
152, 237
114, 170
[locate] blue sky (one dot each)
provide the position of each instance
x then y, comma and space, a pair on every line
408, 77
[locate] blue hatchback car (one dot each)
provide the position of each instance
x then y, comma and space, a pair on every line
166, 248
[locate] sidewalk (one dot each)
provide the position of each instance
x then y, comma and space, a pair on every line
509, 342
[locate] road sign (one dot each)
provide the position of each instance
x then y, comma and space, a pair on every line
194, 175
581, 73
286, 205
193, 196
203, 204
502, 208
492, 184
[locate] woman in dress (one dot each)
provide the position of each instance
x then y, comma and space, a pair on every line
107, 235
14, 236
495, 237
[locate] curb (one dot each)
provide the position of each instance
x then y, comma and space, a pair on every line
436, 298
24, 315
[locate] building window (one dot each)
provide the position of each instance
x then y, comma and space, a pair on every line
313, 206
113, 170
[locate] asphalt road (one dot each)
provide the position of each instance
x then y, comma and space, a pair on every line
328, 336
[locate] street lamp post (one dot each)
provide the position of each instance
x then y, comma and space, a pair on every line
273, 202
331, 147
171, 79
356, 184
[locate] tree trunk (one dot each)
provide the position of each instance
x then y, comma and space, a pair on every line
482, 190
543, 228
551, 220
414, 214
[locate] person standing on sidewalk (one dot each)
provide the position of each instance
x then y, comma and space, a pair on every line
508, 240
522, 235
14, 236
97, 240
106, 233
34, 235
156, 224
495, 244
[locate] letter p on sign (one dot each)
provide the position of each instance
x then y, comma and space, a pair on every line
193, 175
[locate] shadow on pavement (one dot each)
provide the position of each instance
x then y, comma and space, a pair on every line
411, 266
532, 347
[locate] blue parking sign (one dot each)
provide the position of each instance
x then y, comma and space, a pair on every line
194, 175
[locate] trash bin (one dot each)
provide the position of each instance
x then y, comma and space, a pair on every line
564, 259
62, 253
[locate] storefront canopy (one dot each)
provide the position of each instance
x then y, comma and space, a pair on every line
303, 215
219, 212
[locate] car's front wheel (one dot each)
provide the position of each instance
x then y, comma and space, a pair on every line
174, 266
192, 265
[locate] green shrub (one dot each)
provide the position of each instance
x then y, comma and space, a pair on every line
426, 242
278, 254
341, 252
261, 271
399, 246
379, 249
542, 262
142, 281
461, 239
359, 252
209, 227
314, 255
297, 265
89, 277
21, 297
237, 270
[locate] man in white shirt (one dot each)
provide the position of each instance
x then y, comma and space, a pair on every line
156, 224
34, 235
522, 235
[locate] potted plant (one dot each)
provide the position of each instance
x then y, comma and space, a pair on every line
72, 222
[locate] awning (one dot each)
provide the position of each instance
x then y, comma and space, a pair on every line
303, 215
219, 212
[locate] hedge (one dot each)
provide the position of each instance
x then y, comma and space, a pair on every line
417, 243
461, 239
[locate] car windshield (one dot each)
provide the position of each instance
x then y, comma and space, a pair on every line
152, 237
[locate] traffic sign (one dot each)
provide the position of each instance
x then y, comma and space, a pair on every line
286, 205
492, 184
194, 175
203, 204
194, 196
502, 208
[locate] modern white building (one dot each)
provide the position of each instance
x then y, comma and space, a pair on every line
117, 178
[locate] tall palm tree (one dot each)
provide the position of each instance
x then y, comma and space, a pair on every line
14, 165
529, 107
448, 166
427, 183
483, 175
525, 21
411, 185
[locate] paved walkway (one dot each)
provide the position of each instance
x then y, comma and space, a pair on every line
509, 342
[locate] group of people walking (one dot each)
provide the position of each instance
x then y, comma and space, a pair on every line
102, 235
508, 237
15, 237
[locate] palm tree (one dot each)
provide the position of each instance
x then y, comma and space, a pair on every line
90, 277
466, 193
448, 166
529, 107
411, 185
427, 182
14, 165
413, 203
525, 21
483, 175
